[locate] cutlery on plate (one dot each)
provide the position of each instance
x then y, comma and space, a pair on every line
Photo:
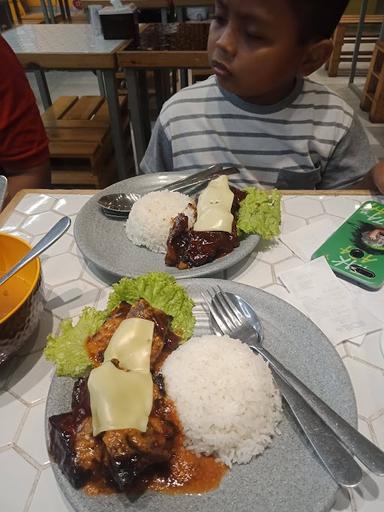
337, 460
120, 204
56, 232
237, 318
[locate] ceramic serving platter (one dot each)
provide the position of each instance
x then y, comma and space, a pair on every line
106, 248
288, 476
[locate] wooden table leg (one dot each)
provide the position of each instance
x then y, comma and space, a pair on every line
338, 41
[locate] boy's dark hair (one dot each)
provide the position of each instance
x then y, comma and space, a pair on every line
317, 18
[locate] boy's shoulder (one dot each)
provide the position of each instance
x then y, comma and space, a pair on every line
322, 97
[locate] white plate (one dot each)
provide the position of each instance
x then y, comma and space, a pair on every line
288, 476
106, 248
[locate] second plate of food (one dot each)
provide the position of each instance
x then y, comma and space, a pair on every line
104, 243
287, 476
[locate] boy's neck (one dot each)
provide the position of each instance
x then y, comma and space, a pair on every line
264, 108
273, 97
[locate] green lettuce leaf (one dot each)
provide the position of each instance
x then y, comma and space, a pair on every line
260, 213
163, 292
67, 350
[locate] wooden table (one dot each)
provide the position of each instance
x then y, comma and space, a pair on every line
74, 47
134, 61
27, 483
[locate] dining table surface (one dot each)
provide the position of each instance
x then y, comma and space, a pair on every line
27, 482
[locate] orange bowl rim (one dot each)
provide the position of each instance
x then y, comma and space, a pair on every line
31, 288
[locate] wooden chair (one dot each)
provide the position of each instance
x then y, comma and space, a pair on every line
80, 144
373, 95
346, 33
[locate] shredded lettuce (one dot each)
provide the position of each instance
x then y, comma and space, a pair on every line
67, 350
260, 213
161, 291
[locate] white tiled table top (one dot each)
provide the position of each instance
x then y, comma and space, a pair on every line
27, 483
58, 38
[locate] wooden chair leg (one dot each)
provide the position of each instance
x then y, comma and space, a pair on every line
366, 99
338, 41
376, 114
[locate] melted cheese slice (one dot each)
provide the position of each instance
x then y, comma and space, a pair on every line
131, 344
214, 207
119, 399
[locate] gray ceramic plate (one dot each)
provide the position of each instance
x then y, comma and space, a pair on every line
287, 477
107, 250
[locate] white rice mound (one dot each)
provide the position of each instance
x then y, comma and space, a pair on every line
151, 218
225, 398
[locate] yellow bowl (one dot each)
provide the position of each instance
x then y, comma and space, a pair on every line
21, 299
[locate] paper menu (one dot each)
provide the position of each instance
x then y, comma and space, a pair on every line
329, 304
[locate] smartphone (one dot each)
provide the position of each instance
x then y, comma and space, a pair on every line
355, 250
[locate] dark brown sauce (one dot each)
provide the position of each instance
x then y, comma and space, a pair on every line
188, 472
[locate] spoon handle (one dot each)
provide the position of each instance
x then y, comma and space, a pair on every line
201, 177
369, 454
50, 238
338, 461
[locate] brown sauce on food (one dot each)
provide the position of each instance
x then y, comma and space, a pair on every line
98, 488
187, 472
127, 460
187, 248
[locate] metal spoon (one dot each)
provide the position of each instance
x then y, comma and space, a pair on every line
56, 232
120, 204
338, 461
247, 327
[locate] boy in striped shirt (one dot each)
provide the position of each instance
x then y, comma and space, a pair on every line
259, 112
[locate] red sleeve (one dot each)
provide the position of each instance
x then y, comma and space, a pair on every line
23, 141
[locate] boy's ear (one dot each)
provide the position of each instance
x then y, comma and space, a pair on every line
315, 56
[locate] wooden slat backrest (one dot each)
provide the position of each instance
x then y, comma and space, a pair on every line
85, 134
102, 113
84, 108
59, 108
73, 149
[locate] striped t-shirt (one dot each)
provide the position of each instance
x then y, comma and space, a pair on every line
308, 140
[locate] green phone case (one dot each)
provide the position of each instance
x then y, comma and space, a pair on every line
356, 249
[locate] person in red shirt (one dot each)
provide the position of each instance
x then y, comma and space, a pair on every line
24, 156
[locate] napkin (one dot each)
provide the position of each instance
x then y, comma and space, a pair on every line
304, 241
337, 311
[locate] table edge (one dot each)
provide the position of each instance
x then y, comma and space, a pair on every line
6, 212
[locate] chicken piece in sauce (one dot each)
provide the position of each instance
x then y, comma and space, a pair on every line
188, 248
115, 457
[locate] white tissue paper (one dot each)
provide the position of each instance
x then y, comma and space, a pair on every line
340, 314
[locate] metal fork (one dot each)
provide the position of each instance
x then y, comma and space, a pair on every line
337, 460
234, 322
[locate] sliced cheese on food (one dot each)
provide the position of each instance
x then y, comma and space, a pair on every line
131, 344
214, 207
119, 399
